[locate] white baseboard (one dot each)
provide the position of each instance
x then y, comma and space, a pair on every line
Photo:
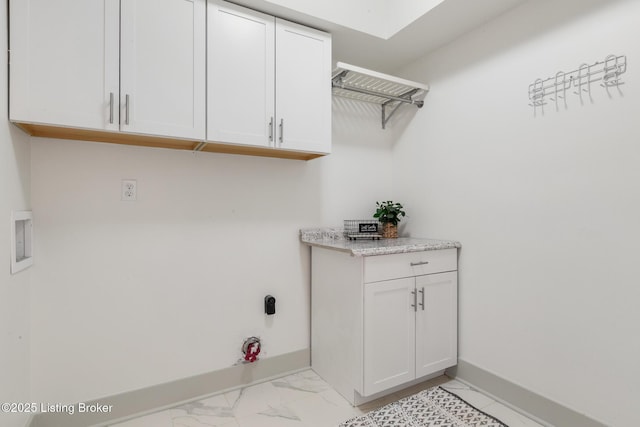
29, 421
533, 405
154, 398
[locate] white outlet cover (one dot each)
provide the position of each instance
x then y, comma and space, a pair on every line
129, 191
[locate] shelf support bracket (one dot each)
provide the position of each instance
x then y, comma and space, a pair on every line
385, 117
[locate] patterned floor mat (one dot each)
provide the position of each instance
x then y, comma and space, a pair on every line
435, 407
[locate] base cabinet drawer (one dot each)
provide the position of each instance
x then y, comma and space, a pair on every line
395, 266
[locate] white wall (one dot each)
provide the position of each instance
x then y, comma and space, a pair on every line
361, 15
379, 18
14, 289
131, 294
404, 13
546, 207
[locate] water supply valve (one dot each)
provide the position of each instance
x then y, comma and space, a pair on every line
251, 349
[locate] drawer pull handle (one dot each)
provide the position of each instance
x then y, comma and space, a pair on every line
415, 300
413, 264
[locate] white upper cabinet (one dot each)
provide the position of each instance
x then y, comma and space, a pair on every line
133, 66
204, 75
64, 63
303, 88
269, 81
162, 68
241, 75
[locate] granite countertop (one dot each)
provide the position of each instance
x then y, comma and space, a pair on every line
333, 238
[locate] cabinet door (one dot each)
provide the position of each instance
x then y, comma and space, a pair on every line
240, 75
162, 82
64, 62
436, 322
303, 88
389, 334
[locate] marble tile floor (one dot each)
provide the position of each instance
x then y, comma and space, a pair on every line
302, 399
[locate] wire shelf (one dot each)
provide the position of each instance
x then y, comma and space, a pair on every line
360, 84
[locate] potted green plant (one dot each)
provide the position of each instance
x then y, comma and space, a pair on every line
389, 213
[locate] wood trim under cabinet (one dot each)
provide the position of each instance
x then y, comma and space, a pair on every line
58, 132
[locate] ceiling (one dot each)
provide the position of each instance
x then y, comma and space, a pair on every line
385, 35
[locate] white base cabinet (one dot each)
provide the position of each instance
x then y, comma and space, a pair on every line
389, 335
382, 321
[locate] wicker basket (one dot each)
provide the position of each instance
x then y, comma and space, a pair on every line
389, 231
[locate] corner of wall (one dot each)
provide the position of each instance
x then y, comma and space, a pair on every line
15, 194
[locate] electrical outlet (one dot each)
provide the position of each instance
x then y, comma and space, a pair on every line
129, 190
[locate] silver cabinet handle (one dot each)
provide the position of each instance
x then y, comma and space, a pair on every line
281, 130
126, 109
271, 129
111, 107
413, 264
415, 300
422, 293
